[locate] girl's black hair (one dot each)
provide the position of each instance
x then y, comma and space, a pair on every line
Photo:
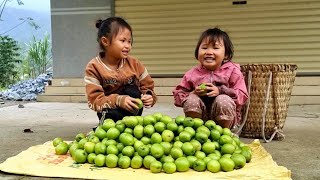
110, 27
215, 35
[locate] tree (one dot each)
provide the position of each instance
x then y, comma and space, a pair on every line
28, 20
9, 53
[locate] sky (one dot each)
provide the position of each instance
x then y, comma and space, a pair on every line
35, 5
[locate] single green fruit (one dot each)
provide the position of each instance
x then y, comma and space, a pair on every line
112, 160
80, 136
156, 166
62, 148
100, 160
199, 165
139, 103
57, 141
136, 162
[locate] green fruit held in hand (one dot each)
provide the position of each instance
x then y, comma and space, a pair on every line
203, 86
140, 103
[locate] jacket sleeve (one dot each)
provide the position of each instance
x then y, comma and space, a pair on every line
147, 85
182, 91
97, 100
237, 89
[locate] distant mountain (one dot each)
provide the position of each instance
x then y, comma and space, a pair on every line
23, 33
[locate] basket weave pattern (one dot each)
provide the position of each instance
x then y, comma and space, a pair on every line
280, 88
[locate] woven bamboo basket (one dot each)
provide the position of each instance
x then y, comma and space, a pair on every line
270, 87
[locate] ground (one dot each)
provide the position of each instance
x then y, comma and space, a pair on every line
6, 103
299, 151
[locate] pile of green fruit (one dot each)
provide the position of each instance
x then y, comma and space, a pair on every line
159, 143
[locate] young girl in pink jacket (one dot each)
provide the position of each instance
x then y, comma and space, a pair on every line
223, 91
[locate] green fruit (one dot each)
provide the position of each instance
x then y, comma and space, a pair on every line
172, 126
188, 149
143, 150
139, 103
210, 124
138, 131
126, 139
80, 136
239, 160
136, 162
182, 164
157, 150
82, 142
156, 138
100, 133
147, 161
113, 133
226, 164
120, 126
155, 167
124, 162
166, 119
167, 147
179, 120
111, 160
128, 151
149, 120
62, 148
159, 127
80, 156
100, 148
57, 141
107, 124
112, 149
91, 157
199, 165
208, 147
191, 160
89, 147
158, 115
148, 130
169, 167
167, 135
130, 121
213, 166
100, 160
188, 122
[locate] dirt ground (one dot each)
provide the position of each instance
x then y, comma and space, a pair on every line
6, 103
299, 151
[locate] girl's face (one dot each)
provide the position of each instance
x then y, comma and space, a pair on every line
120, 46
211, 55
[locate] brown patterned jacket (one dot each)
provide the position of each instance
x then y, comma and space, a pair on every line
103, 84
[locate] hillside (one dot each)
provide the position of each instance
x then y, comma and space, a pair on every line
23, 33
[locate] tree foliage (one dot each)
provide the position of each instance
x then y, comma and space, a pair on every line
9, 53
38, 58
28, 20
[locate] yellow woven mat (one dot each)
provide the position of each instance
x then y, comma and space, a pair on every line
41, 160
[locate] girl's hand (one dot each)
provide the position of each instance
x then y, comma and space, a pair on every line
213, 90
130, 104
147, 100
